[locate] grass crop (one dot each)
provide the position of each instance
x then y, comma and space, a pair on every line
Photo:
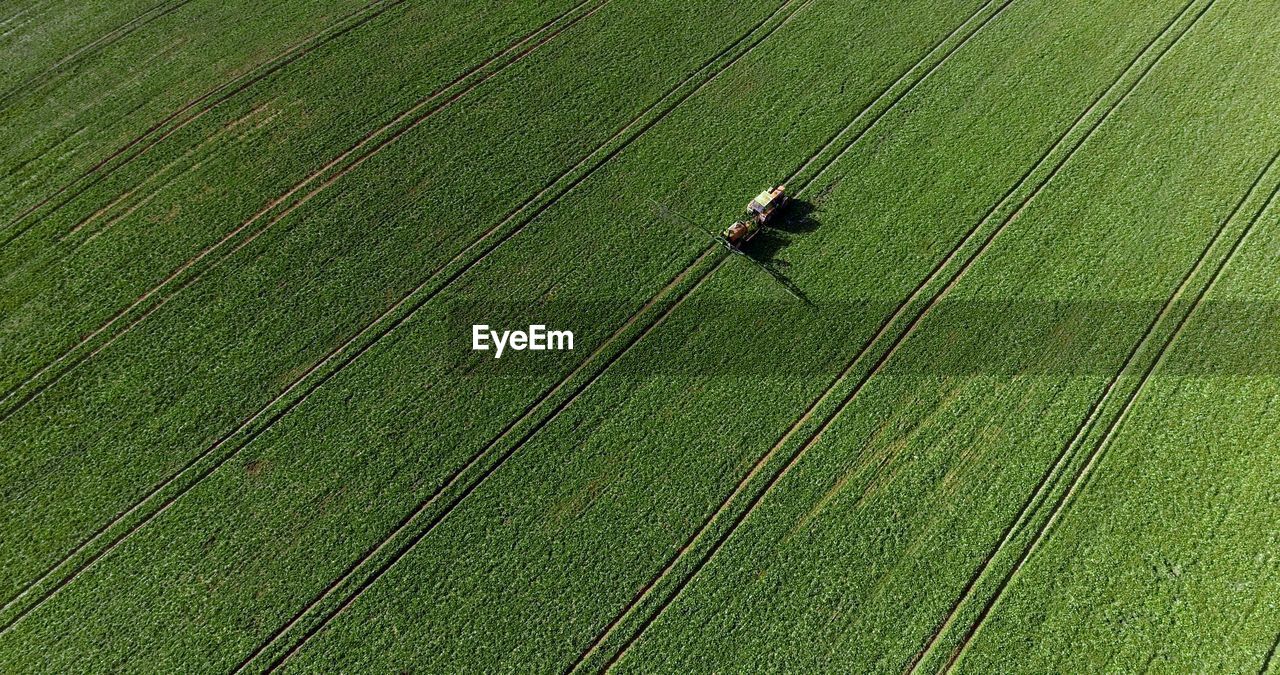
583, 488
42, 433
1187, 582
102, 261
907, 501
593, 109
41, 37
89, 77
242, 413
725, 95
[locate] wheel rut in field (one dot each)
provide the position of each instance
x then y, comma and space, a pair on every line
186, 282
1270, 657
1085, 471
158, 132
682, 290
1052, 473
187, 274
111, 37
415, 524
1022, 193
165, 494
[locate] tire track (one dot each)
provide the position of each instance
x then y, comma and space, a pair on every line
1271, 656
1050, 478
381, 7
188, 273
34, 82
217, 136
192, 279
1263, 577
18, 15
106, 166
166, 493
1082, 476
419, 529
412, 526
413, 531
759, 469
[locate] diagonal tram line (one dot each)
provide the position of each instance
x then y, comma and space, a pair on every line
105, 167
361, 574
167, 492
102, 42
176, 166
1080, 480
380, 6
18, 15
371, 143
173, 171
594, 650
8, 605
1270, 656
1052, 474
413, 520
412, 527
1048, 159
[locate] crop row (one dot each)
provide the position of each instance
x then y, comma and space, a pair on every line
134, 238
564, 490
120, 434
862, 548
133, 64
1073, 467
1179, 464
425, 519
1033, 142
282, 207
178, 119
593, 483
41, 37
400, 479
772, 465
557, 117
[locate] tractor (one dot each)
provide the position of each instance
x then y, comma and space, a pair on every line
760, 212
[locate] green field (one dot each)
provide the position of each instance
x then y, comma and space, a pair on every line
1017, 412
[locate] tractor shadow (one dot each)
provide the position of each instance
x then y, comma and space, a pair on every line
798, 218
